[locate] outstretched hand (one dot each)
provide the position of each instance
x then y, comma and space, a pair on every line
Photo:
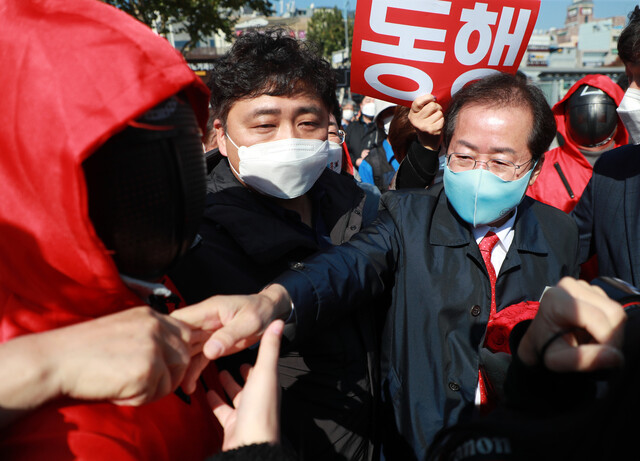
584, 325
253, 416
236, 321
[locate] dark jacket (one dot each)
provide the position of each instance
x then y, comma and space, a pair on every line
327, 376
556, 416
425, 257
608, 215
360, 135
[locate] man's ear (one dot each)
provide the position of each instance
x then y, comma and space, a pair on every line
220, 135
536, 171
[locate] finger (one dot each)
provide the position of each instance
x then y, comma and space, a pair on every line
598, 314
265, 370
245, 370
597, 297
198, 363
585, 358
198, 340
157, 386
421, 101
241, 332
221, 409
230, 386
206, 315
177, 328
269, 351
176, 356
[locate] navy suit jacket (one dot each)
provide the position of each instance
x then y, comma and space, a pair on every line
422, 255
608, 214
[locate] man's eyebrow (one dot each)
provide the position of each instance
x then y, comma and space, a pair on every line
264, 111
313, 109
497, 150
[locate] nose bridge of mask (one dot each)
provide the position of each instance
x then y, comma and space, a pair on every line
282, 150
477, 193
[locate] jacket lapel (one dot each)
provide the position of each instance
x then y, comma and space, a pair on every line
528, 237
448, 229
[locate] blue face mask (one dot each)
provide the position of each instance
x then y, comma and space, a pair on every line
481, 197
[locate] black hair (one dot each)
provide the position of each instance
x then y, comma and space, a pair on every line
270, 62
506, 90
629, 41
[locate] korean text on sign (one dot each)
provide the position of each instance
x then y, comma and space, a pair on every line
406, 48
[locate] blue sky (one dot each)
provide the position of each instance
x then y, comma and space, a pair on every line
552, 12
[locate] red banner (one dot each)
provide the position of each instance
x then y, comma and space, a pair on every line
406, 48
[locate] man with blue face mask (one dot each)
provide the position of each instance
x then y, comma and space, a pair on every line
452, 296
608, 213
272, 201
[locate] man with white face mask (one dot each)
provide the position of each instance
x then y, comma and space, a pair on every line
272, 201
348, 112
608, 213
361, 133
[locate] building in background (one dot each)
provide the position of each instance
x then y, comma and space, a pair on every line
558, 57
555, 58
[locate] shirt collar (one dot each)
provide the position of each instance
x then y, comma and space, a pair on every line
504, 232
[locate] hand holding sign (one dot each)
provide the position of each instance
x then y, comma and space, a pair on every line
403, 49
427, 118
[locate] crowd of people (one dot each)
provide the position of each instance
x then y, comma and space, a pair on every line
249, 269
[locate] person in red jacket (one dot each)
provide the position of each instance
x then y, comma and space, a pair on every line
103, 189
587, 126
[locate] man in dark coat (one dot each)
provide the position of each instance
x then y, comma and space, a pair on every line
271, 202
451, 308
362, 133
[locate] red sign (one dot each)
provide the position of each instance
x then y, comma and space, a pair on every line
406, 48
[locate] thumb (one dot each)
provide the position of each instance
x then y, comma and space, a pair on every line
205, 315
240, 332
269, 351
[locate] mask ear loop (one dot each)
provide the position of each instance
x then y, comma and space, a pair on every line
229, 138
226, 134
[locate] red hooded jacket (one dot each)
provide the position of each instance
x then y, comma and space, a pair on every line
73, 74
549, 187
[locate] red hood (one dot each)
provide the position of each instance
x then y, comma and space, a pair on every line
598, 81
74, 73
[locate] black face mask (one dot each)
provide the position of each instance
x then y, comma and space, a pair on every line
147, 189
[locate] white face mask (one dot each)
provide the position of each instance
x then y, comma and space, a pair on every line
386, 124
347, 114
285, 169
369, 109
334, 161
629, 112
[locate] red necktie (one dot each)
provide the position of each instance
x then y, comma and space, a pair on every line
486, 246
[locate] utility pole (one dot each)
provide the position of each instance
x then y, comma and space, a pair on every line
346, 28
346, 39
